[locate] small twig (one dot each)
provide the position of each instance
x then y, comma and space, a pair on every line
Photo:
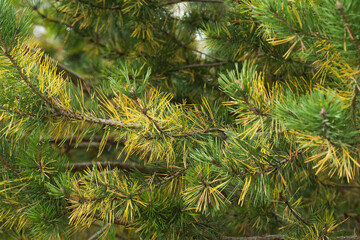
93, 237
80, 33
121, 165
10, 166
266, 237
197, 1
58, 109
295, 29
144, 111
255, 110
353, 105
340, 8
292, 210
325, 230
101, 7
86, 140
22, 113
162, 182
196, 132
200, 65
181, 44
23, 76
339, 186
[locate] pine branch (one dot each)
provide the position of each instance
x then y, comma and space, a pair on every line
23, 77
292, 210
196, 1
266, 237
95, 236
93, 138
21, 113
75, 78
162, 182
10, 166
144, 111
201, 65
294, 28
340, 8
55, 107
80, 33
121, 165
101, 7
181, 44
196, 132
255, 110
353, 105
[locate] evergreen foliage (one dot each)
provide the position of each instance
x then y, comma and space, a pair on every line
120, 123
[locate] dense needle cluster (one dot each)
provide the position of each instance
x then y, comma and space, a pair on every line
132, 119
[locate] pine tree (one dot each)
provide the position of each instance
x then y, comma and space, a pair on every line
228, 120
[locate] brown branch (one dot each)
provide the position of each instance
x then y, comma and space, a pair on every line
255, 110
340, 8
292, 210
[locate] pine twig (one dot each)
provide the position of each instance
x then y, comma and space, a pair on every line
340, 8
118, 8
93, 237
181, 44
353, 105
201, 65
144, 111
292, 210
21, 113
162, 182
80, 33
121, 165
10, 166
293, 28
266, 237
197, 1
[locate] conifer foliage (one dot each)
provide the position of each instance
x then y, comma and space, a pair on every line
229, 120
